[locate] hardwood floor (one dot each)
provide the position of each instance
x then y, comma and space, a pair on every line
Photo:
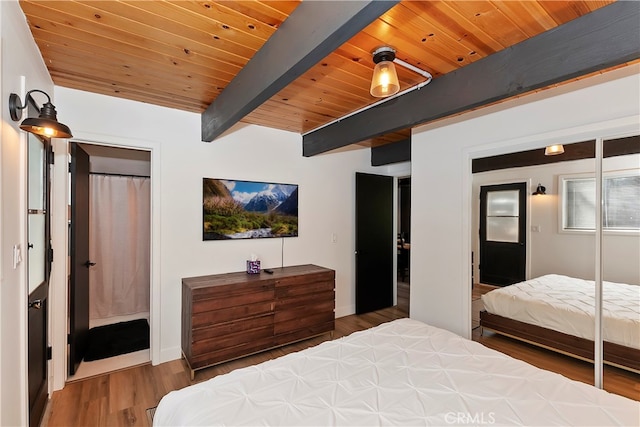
615, 380
122, 398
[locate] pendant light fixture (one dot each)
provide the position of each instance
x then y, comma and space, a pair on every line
46, 124
384, 83
385, 79
553, 150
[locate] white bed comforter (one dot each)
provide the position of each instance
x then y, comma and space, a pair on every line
399, 373
566, 304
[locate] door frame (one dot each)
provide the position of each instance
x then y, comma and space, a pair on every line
38, 298
400, 171
78, 314
364, 303
59, 308
522, 227
475, 212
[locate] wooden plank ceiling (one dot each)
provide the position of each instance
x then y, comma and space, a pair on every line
182, 54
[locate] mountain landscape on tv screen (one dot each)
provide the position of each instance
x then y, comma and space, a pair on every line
248, 210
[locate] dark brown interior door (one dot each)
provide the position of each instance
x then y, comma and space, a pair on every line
38, 353
80, 263
375, 243
39, 267
503, 249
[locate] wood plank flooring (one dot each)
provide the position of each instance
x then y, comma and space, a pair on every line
121, 398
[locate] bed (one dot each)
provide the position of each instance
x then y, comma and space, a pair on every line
399, 373
557, 312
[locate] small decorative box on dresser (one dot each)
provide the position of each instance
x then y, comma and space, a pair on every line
227, 316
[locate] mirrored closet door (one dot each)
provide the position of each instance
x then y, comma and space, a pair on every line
620, 255
523, 314
567, 235
38, 257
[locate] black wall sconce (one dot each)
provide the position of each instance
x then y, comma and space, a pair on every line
541, 189
46, 124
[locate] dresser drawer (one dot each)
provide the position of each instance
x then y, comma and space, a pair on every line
239, 326
232, 299
223, 354
303, 322
285, 290
230, 314
304, 300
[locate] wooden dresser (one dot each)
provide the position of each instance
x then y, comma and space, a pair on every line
227, 316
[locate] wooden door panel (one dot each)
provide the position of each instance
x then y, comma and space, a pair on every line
501, 262
38, 353
375, 243
39, 258
79, 284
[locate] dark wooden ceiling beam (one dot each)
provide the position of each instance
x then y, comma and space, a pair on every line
395, 152
599, 40
574, 151
312, 31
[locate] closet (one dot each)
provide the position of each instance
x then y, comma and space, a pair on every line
110, 259
583, 207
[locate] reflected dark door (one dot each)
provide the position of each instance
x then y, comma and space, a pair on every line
79, 284
503, 221
375, 243
39, 266
38, 353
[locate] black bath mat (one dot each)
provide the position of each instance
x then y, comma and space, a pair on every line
119, 338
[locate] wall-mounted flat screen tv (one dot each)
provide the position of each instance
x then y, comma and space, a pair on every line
233, 209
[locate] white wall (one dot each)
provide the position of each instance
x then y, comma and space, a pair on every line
551, 250
22, 70
180, 161
603, 105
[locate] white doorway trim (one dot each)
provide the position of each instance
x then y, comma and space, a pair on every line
60, 200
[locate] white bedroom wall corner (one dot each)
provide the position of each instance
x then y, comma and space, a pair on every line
436, 291
21, 62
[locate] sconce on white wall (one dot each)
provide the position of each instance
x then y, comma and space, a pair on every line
540, 190
46, 124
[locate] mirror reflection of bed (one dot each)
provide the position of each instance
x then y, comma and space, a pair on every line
560, 261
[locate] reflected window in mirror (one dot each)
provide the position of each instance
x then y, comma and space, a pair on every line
38, 246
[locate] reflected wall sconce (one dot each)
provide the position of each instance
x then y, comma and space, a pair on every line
540, 190
553, 150
384, 82
46, 124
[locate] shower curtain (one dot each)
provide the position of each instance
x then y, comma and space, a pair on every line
119, 243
